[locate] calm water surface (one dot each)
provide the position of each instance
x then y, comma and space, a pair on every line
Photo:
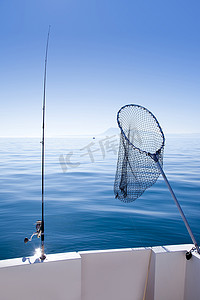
81, 212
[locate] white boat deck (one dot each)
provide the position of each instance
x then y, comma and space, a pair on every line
157, 273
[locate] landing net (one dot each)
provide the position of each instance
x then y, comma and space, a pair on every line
141, 139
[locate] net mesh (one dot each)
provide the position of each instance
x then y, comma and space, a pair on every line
141, 138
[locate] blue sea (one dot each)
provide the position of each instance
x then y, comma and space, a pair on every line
81, 212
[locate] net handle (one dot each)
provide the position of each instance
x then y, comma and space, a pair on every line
155, 158
123, 133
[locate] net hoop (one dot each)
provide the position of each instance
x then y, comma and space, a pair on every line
123, 133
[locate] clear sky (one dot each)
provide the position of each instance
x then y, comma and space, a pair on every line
103, 54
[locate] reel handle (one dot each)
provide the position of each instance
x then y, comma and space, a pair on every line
38, 232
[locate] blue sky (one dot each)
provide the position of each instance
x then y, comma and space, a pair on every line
102, 55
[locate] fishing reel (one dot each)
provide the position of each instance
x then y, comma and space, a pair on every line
38, 232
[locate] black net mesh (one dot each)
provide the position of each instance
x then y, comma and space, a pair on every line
141, 138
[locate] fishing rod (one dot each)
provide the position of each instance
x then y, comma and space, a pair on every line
40, 224
43, 132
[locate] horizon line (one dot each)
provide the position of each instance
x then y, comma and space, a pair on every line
93, 135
